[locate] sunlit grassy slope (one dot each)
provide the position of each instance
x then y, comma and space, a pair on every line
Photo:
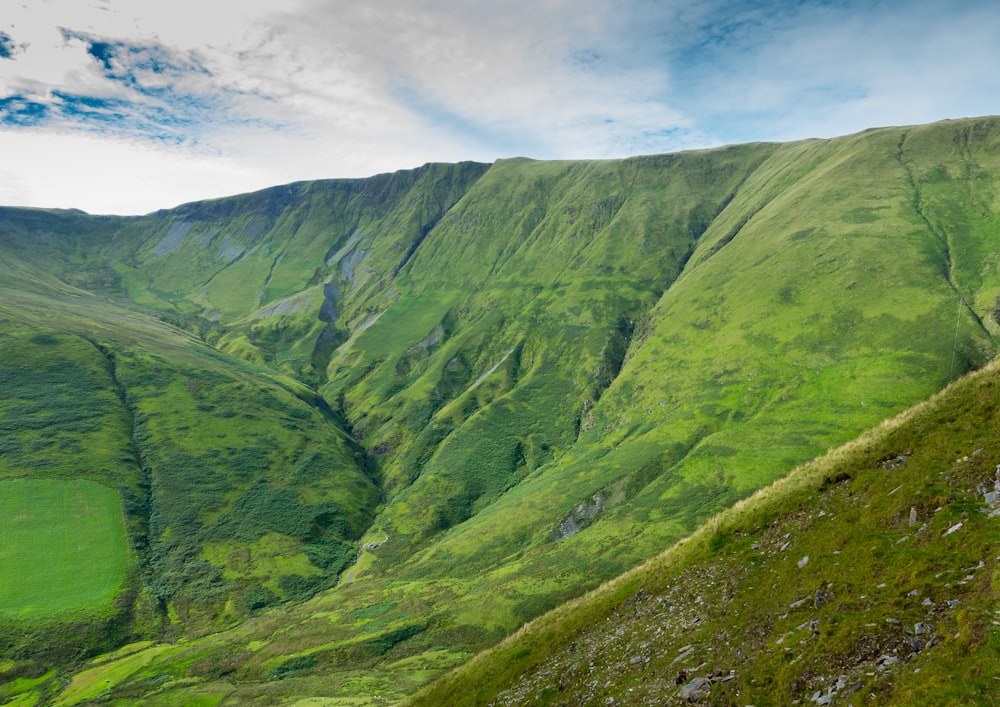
178, 443
472, 392
867, 576
62, 546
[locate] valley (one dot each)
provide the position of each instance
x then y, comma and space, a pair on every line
354, 432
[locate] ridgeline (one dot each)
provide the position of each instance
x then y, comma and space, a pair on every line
361, 430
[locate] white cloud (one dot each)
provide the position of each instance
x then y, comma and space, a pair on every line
228, 95
107, 176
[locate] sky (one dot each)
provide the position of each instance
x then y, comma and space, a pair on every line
128, 106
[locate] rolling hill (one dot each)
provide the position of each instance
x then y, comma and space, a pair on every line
359, 430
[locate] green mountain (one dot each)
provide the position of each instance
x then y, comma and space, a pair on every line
444, 401
867, 576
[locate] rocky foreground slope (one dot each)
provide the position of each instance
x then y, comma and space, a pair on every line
869, 576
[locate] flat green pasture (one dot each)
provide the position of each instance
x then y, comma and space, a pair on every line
62, 546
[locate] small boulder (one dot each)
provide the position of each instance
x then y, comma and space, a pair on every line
822, 597
695, 690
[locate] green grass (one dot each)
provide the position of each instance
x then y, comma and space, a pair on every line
265, 560
60, 414
512, 353
63, 547
91, 683
739, 594
205, 450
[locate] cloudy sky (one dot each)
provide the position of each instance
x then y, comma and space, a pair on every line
126, 106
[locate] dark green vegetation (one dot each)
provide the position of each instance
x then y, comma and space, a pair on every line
462, 394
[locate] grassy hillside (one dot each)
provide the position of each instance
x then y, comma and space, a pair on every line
468, 393
107, 410
868, 575
65, 544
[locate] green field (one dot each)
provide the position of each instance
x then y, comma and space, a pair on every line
62, 546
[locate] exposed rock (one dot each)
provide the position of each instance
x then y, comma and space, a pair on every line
885, 661
685, 652
429, 341
895, 462
581, 516
852, 687
173, 239
821, 598
350, 263
328, 311
695, 690
822, 698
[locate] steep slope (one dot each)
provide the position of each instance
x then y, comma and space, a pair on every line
513, 319
551, 371
98, 399
264, 268
868, 575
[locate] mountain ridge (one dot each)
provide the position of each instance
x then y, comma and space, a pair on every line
496, 385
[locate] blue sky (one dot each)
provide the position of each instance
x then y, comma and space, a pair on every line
126, 106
